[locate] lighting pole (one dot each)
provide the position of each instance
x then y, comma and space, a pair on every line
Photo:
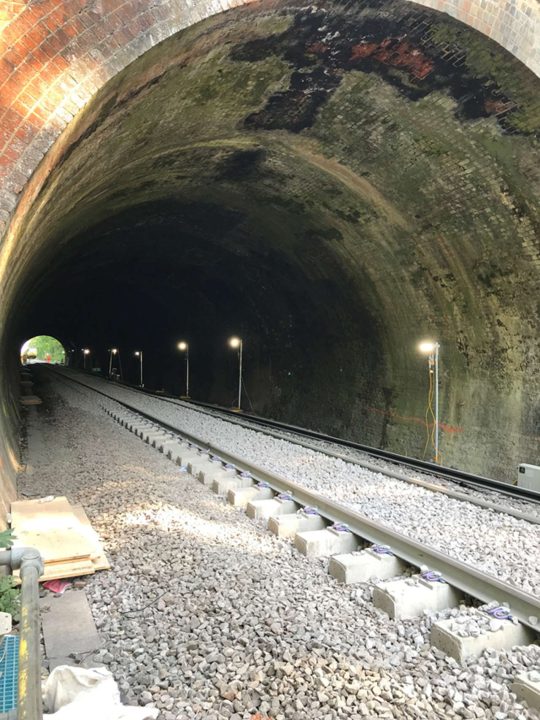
183, 346
86, 353
139, 354
112, 351
431, 349
237, 344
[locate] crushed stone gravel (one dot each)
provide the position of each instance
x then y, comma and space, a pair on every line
206, 615
491, 541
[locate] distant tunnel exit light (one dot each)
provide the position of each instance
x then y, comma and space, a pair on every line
43, 348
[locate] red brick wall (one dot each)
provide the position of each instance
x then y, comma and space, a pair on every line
55, 54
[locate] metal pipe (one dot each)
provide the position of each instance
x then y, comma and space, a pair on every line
240, 349
30, 703
436, 360
29, 562
187, 372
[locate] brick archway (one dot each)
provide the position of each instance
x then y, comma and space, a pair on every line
56, 54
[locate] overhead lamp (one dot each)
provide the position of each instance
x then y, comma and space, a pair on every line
431, 349
86, 353
139, 354
183, 346
236, 343
112, 351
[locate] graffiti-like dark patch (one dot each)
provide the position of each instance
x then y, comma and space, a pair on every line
298, 106
241, 164
323, 45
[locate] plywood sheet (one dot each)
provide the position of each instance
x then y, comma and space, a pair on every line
58, 571
99, 559
36, 512
50, 525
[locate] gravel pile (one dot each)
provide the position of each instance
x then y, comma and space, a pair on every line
208, 616
491, 541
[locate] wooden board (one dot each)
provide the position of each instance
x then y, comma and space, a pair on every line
50, 525
98, 557
59, 571
68, 543
34, 512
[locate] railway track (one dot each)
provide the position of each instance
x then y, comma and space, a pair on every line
323, 442
265, 494
475, 492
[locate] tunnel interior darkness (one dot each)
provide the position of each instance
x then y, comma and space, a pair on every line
333, 184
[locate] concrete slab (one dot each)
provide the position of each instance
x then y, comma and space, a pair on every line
364, 565
154, 434
204, 470
191, 459
240, 497
158, 440
137, 426
169, 442
264, 509
444, 635
67, 623
222, 485
321, 543
288, 525
526, 685
199, 462
402, 599
141, 430
219, 472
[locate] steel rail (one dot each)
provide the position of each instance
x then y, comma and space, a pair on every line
482, 586
426, 484
473, 582
455, 475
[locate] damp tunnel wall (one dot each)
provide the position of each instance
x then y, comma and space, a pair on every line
333, 183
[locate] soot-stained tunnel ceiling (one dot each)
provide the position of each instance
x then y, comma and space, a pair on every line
333, 182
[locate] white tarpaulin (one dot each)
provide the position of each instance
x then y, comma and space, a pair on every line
76, 693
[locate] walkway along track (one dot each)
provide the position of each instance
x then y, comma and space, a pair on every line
179, 445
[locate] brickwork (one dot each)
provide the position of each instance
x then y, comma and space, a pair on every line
55, 55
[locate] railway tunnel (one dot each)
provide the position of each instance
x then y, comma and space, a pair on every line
334, 183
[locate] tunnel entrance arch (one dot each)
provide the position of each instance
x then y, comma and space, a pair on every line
71, 62
278, 172
43, 348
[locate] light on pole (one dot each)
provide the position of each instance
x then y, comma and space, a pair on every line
183, 346
139, 354
86, 353
112, 351
431, 349
236, 343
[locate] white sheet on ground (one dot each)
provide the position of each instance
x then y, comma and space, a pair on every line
77, 693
